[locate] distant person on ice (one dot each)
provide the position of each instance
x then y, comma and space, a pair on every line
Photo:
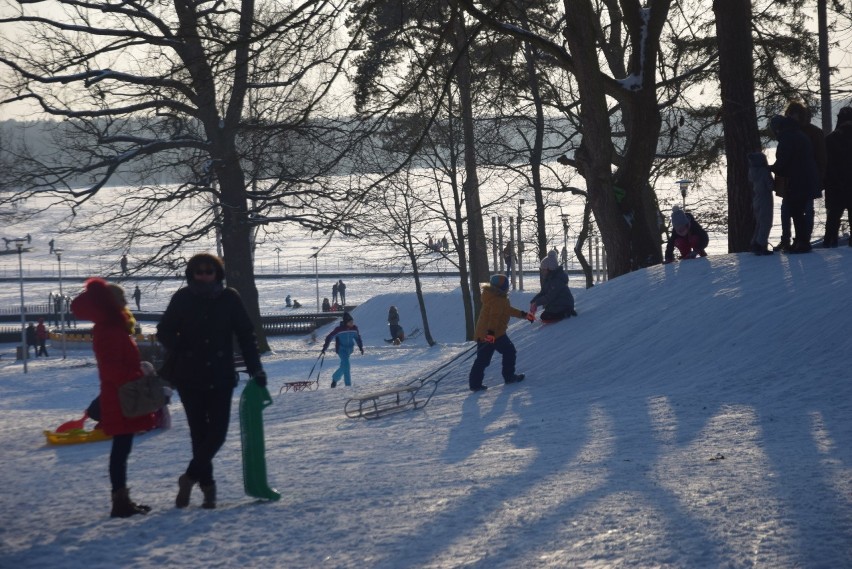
555, 296
490, 333
346, 337
687, 235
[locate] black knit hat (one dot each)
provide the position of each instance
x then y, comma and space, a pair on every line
347, 317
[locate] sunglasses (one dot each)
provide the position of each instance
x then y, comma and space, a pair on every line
205, 271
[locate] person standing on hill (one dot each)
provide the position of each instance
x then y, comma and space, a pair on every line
801, 116
555, 296
346, 336
123, 264
335, 290
687, 236
795, 163
761, 201
838, 177
197, 329
490, 333
119, 362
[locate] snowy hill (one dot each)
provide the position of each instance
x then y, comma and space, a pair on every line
694, 415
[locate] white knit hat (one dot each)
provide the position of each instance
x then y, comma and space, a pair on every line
550, 263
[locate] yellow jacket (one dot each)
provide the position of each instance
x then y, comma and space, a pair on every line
495, 313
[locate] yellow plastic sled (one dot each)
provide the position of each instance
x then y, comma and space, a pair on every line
75, 437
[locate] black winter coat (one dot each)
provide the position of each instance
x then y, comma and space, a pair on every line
198, 332
838, 175
794, 160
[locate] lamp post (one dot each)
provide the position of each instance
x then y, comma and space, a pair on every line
58, 252
25, 352
520, 248
565, 239
316, 273
684, 187
278, 262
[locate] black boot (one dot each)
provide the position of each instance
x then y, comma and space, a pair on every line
123, 506
209, 491
185, 484
783, 246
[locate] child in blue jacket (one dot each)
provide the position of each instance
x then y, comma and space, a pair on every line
346, 336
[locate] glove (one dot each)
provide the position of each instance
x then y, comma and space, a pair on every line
322, 352
489, 337
533, 308
260, 378
530, 316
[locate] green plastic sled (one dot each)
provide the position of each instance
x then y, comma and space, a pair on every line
252, 403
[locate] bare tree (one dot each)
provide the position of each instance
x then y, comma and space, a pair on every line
192, 92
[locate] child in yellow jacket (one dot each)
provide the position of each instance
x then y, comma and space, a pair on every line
491, 335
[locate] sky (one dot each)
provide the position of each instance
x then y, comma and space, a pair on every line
694, 415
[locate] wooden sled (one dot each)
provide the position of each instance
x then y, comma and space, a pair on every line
378, 404
308, 385
76, 437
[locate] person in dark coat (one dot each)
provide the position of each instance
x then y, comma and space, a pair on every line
32, 339
838, 177
795, 163
687, 236
397, 335
555, 296
137, 296
197, 330
119, 362
761, 202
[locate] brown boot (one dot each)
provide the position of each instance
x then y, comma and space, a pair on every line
185, 484
209, 491
123, 506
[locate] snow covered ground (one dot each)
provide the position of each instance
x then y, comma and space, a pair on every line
694, 415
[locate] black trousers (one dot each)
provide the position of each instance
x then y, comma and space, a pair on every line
484, 353
208, 413
121, 447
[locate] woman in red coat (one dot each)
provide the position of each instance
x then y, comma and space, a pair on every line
118, 363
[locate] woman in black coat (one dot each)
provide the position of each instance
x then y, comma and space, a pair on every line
197, 330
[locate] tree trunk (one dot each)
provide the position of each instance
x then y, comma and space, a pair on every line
536, 151
236, 243
739, 116
476, 243
627, 219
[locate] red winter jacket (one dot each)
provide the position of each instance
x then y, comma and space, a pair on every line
116, 352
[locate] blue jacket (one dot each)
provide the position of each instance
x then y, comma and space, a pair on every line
345, 339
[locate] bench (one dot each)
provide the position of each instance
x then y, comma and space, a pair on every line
380, 403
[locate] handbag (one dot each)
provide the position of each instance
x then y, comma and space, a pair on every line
142, 396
